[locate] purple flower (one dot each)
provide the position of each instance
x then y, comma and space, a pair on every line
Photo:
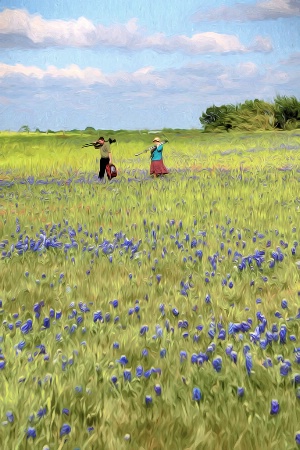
240, 391
65, 429
163, 353
284, 304
65, 411
31, 433
114, 303
196, 394
10, 417
297, 438
249, 363
98, 316
183, 355
144, 330
217, 364
274, 407
114, 379
175, 311
148, 400
139, 371
157, 389
42, 412
127, 375
123, 360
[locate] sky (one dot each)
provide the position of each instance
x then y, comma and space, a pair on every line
141, 64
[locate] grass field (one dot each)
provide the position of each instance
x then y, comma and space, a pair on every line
150, 313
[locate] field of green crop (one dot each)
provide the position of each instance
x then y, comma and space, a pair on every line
150, 313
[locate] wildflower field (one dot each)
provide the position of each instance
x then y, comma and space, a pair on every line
150, 313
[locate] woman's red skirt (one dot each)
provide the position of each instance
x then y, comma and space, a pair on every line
158, 168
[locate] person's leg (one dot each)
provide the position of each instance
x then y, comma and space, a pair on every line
103, 162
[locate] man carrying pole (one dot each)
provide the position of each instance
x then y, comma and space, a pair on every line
105, 156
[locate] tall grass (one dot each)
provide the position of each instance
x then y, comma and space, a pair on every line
166, 250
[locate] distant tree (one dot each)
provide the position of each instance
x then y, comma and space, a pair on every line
253, 115
287, 112
24, 129
218, 118
90, 130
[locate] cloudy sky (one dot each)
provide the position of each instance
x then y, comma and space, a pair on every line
141, 64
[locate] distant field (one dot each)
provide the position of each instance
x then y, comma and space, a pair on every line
150, 314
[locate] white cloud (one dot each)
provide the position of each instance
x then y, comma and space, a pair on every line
261, 10
21, 29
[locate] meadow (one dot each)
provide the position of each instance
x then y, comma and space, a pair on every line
150, 313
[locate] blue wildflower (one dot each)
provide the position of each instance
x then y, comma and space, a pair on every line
157, 389
127, 375
10, 417
217, 364
240, 391
31, 433
274, 407
163, 353
144, 330
148, 400
249, 363
114, 379
65, 430
196, 394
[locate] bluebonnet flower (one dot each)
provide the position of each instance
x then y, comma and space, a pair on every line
148, 400
10, 417
116, 345
240, 391
282, 334
65, 411
233, 356
274, 407
157, 389
297, 438
144, 330
145, 353
78, 389
98, 316
217, 364
285, 369
42, 412
249, 363
183, 355
127, 375
65, 430
139, 371
163, 353
31, 433
222, 334
175, 311
147, 373
114, 379
26, 327
123, 360
284, 304
296, 379
196, 394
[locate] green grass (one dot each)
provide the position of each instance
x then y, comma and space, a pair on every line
228, 189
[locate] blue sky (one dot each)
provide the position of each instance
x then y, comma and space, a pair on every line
137, 64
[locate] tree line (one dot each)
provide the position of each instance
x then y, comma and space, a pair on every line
253, 115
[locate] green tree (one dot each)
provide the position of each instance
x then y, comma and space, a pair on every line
287, 112
24, 129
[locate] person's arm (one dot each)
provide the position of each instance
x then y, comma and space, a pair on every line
110, 157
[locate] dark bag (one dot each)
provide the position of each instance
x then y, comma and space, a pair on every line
111, 171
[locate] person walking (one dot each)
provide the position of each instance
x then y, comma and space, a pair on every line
105, 155
157, 166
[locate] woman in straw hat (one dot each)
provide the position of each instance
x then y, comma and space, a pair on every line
157, 166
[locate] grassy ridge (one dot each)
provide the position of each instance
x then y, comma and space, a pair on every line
166, 250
